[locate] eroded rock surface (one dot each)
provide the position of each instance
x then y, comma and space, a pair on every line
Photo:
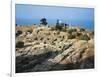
46, 50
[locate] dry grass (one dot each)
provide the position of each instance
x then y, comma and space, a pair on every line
25, 27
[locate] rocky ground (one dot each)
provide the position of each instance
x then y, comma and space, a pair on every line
51, 48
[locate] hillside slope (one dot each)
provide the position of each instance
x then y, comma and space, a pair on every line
51, 48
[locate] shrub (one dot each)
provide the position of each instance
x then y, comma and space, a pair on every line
71, 36
92, 34
84, 37
45, 42
30, 31
71, 30
35, 38
78, 34
41, 38
48, 38
72, 33
19, 44
82, 29
19, 32
53, 43
59, 27
55, 39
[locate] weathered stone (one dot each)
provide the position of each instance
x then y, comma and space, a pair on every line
46, 50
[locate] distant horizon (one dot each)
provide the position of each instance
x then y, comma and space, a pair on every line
31, 14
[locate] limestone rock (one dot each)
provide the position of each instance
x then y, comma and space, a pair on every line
45, 49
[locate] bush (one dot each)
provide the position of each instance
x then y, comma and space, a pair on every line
71, 30
82, 29
72, 33
71, 36
41, 38
78, 34
19, 32
59, 27
92, 34
35, 38
84, 37
55, 39
19, 44
30, 31
48, 38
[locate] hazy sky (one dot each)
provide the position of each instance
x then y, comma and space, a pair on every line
28, 12
31, 11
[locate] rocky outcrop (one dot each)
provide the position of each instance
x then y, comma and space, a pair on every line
45, 50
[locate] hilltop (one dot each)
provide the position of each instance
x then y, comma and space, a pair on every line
43, 48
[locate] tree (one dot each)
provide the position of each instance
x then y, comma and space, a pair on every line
43, 21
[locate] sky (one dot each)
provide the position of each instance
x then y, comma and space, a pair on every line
31, 14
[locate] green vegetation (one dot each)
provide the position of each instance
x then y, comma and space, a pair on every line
72, 33
71, 30
84, 37
41, 38
71, 36
82, 29
58, 27
30, 31
35, 38
19, 32
78, 34
19, 44
43, 21
92, 34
